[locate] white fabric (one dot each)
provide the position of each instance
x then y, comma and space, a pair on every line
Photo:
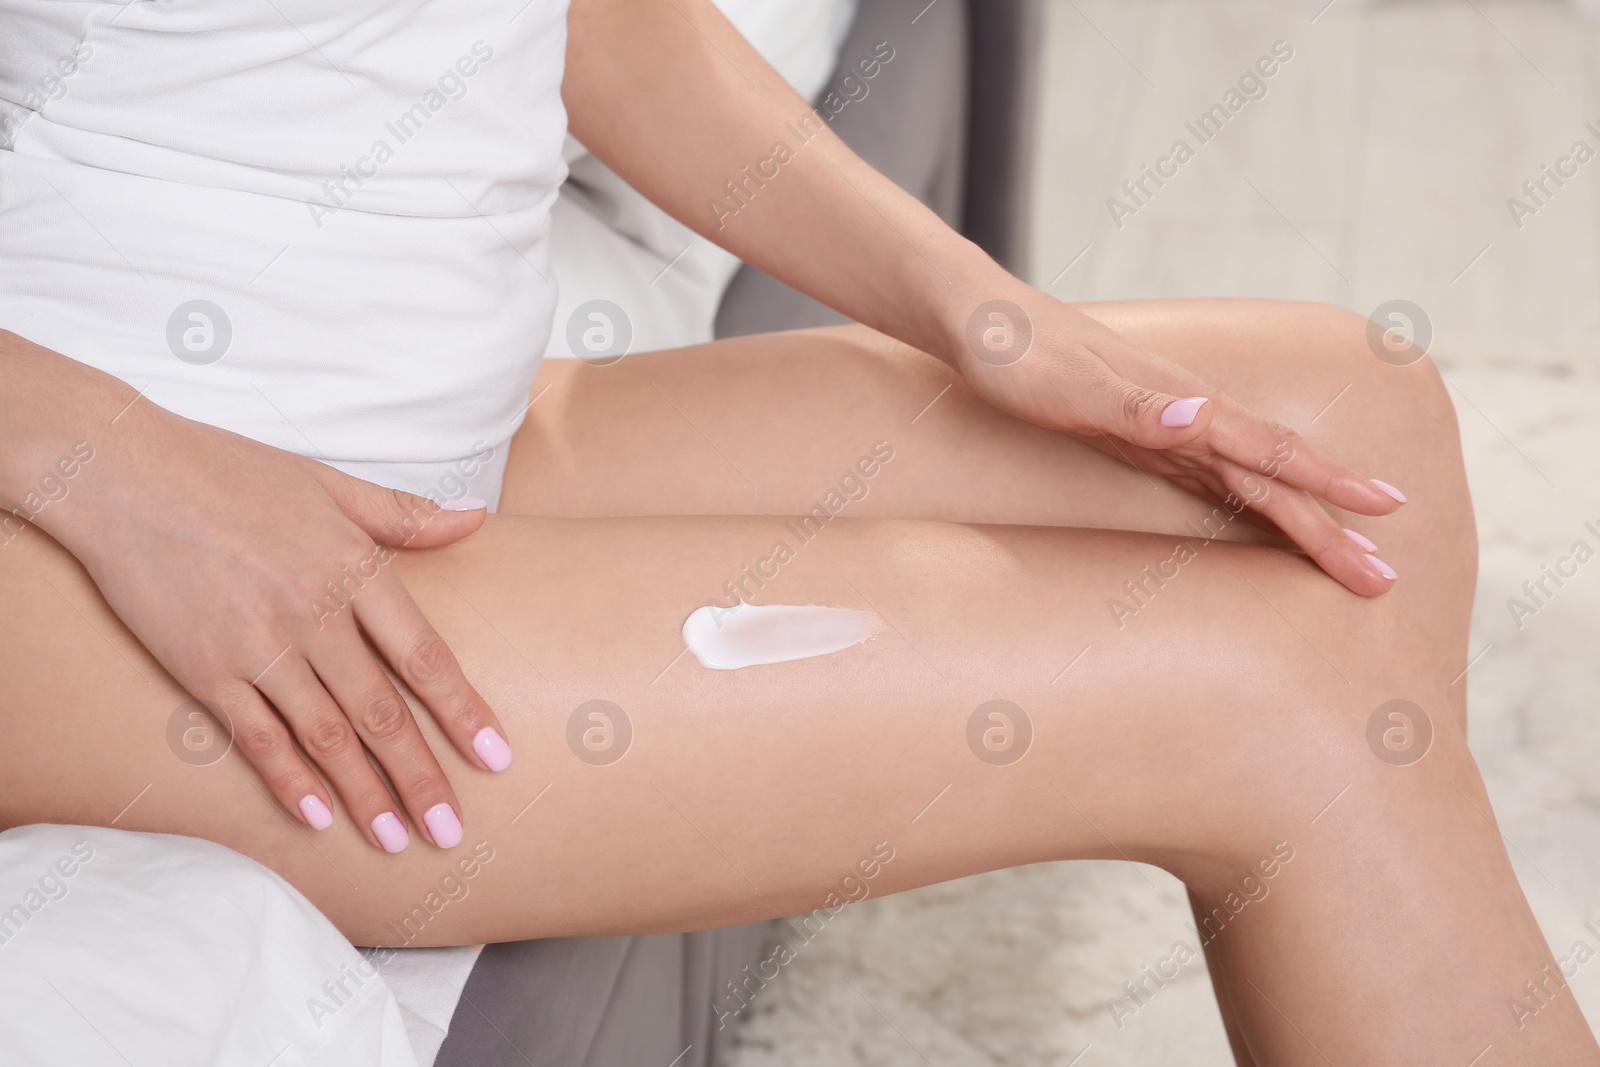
610, 243
146, 948
427, 984
362, 188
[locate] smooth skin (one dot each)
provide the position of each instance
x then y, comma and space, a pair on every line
1228, 715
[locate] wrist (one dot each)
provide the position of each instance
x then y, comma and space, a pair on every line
985, 314
59, 419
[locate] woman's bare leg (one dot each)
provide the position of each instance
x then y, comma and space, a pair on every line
1198, 737
1396, 932
766, 426
820, 394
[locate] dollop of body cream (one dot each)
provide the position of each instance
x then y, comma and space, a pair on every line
747, 635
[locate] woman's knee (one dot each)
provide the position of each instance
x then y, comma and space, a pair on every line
1347, 697
1378, 405
1392, 380
1338, 378
1365, 396
1399, 423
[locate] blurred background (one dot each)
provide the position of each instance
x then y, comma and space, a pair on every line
1377, 167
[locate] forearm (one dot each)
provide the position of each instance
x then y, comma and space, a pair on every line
733, 152
56, 416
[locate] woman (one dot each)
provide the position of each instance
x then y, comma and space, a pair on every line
251, 255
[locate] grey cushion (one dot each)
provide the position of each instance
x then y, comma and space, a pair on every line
1003, 55
600, 1001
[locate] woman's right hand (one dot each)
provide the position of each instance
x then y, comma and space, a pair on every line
252, 574
1069, 372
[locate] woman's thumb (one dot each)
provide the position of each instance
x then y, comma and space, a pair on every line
405, 520
1147, 417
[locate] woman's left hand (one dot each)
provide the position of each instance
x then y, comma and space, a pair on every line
1058, 368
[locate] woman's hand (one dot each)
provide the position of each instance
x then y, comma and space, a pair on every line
1058, 368
253, 575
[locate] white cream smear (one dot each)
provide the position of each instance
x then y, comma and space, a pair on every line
746, 635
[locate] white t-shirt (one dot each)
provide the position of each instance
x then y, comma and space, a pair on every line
322, 226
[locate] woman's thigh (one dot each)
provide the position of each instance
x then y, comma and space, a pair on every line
1193, 733
749, 793
774, 424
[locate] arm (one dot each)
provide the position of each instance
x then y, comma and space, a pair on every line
804, 207
807, 210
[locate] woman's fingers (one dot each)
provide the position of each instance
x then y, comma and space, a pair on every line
326, 735
1152, 414
1299, 515
382, 720
1210, 488
1227, 428
397, 518
1267, 500
1282, 454
1146, 417
262, 738
406, 640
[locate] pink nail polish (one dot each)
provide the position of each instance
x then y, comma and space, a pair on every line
1391, 490
492, 749
1365, 545
1181, 413
1381, 567
390, 832
315, 812
466, 503
443, 825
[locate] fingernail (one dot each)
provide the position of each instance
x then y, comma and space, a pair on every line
443, 825
1391, 490
465, 503
1381, 567
1365, 544
492, 749
1181, 413
315, 812
390, 832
